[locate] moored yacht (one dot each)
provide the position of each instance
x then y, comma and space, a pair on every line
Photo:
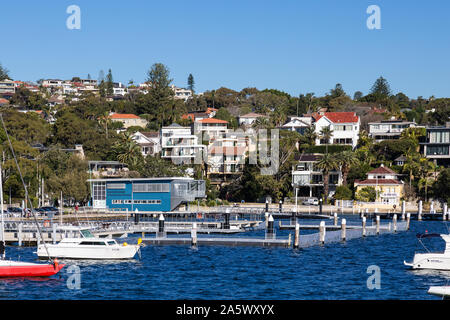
88, 247
432, 260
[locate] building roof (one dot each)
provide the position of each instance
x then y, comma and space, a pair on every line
378, 182
252, 115
151, 134
228, 151
212, 120
307, 157
123, 116
401, 158
382, 170
338, 117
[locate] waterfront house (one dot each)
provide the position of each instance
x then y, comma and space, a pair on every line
210, 128
181, 93
389, 189
179, 144
437, 144
150, 142
388, 129
7, 86
309, 179
145, 194
298, 124
344, 125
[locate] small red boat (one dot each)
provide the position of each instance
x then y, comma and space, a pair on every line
26, 269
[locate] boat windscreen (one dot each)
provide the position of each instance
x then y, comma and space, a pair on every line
427, 235
86, 234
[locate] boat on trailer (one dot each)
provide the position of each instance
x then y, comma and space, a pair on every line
432, 260
86, 246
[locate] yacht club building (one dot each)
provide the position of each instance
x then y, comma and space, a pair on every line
145, 194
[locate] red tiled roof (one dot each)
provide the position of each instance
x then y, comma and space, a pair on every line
210, 110
228, 151
212, 120
377, 181
382, 170
123, 116
2, 101
187, 116
338, 117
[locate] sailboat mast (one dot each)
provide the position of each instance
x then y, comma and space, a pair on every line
1, 208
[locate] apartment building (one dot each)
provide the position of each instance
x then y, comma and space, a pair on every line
388, 129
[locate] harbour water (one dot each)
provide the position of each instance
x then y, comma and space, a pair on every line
334, 271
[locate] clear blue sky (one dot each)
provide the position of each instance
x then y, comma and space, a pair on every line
291, 45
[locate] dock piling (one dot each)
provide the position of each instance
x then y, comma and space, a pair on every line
281, 206
343, 229
394, 222
322, 232
161, 228
444, 212
377, 219
297, 235
194, 235
419, 214
363, 226
408, 218
335, 219
270, 228
19, 234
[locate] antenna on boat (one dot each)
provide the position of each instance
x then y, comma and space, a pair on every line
27, 197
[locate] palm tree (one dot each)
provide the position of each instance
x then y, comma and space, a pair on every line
425, 168
411, 165
346, 159
128, 150
326, 133
326, 164
104, 120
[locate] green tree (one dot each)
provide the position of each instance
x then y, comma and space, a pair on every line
326, 164
190, 82
4, 73
381, 88
343, 193
366, 194
128, 151
109, 83
441, 190
325, 134
346, 160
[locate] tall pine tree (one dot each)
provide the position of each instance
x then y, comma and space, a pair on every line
191, 82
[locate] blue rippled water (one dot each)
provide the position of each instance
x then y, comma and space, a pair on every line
333, 271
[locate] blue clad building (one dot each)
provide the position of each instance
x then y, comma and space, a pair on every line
145, 194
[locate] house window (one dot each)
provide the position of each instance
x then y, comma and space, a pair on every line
116, 186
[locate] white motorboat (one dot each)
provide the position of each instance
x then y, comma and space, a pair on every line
440, 291
88, 247
432, 260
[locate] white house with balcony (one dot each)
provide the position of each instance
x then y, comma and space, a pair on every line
179, 144
149, 142
388, 129
181, 93
210, 128
344, 125
309, 179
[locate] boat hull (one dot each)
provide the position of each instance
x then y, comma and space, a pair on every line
88, 253
23, 269
432, 261
443, 291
